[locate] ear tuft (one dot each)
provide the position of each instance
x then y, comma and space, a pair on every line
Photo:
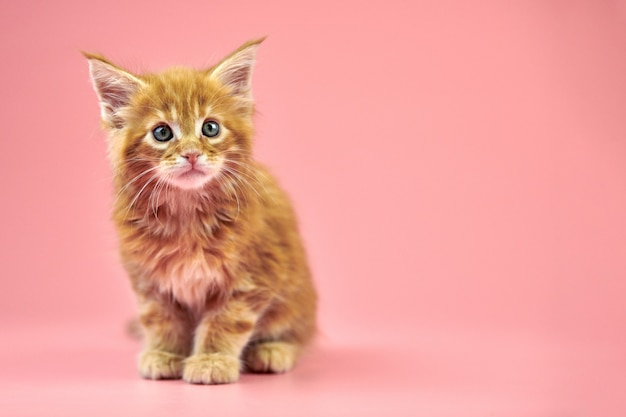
235, 71
114, 87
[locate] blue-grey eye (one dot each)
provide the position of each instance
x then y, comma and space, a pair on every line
163, 133
210, 129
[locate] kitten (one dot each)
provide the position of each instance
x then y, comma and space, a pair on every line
208, 238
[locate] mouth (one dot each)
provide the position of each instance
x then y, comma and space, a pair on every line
191, 174
191, 178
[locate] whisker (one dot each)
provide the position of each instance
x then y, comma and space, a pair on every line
237, 177
249, 173
129, 183
132, 203
232, 190
154, 198
234, 180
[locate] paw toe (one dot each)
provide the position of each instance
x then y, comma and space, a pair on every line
212, 368
156, 364
275, 357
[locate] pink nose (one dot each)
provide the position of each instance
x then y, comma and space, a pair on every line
192, 157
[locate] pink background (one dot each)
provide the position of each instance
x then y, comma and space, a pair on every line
459, 172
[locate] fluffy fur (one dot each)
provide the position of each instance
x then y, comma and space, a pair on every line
208, 238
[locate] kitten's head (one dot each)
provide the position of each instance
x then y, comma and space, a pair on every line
180, 127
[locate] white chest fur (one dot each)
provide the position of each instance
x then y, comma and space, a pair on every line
189, 279
183, 261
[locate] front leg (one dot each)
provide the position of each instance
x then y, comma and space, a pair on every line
167, 330
219, 339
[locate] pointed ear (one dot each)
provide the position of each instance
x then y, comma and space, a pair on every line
114, 87
235, 71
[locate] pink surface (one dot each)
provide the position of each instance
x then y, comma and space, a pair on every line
459, 170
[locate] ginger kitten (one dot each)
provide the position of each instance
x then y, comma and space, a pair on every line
208, 238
